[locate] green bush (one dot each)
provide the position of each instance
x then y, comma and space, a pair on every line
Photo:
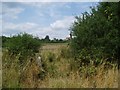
23, 45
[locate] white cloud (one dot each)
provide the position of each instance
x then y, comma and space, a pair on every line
37, 4
28, 27
67, 6
47, 8
57, 29
0, 27
22, 27
9, 12
63, 24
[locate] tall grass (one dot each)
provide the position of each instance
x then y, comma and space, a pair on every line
60, 72
0, 67
70, 75
13, 74
74, 79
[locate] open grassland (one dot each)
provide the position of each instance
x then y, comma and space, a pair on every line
60, 72
53, 47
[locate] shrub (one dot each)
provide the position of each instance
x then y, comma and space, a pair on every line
51, 57
23, 45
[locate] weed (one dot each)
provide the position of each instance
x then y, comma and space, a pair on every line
65, 52
51, 57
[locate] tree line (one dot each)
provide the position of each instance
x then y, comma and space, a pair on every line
54, 40
47, 39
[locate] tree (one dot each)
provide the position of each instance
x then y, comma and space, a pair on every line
47, 39
96, 33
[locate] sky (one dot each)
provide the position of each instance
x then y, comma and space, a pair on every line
41, 18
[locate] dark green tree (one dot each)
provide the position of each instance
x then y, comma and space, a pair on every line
47, 39
96, 33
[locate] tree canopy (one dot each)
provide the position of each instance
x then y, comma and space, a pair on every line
96, 33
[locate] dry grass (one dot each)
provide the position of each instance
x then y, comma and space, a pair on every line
63, 76
104, 78
54, 47
101, 80
0, 68
10, 72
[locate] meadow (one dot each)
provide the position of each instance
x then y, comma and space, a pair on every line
60, 71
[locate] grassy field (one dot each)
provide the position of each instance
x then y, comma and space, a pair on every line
58, 72
68, 78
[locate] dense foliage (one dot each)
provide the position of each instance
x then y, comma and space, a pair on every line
23, 44
96, 34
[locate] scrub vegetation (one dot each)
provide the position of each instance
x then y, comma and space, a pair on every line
89, 59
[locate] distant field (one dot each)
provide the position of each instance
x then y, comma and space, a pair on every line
53, 46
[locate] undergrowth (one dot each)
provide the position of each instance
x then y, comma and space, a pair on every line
59, 72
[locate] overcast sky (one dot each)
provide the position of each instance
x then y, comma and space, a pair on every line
41, 18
